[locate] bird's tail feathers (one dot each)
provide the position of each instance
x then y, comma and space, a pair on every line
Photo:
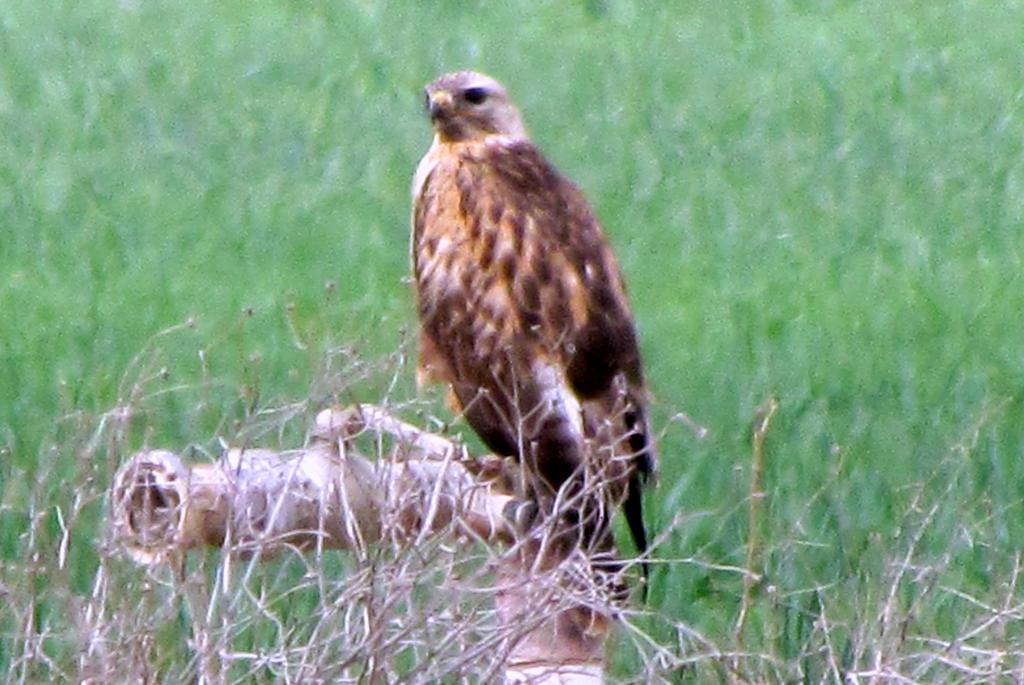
633, 509
644, 467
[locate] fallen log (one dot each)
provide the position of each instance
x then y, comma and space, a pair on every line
328, 495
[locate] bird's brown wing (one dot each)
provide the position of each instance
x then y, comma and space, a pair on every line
523, 311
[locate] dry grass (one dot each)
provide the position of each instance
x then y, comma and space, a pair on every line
421, 609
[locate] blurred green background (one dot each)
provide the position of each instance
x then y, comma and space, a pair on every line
817, 201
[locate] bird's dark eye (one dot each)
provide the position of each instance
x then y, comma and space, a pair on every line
474, 96
426, 101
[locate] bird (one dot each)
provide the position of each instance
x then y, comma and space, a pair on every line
523, 312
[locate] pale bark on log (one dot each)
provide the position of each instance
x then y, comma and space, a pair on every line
327, 495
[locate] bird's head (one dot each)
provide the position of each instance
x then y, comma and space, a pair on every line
466, 106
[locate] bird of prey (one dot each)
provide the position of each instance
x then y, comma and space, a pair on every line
523, 312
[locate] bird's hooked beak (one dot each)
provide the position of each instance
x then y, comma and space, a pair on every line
439, 104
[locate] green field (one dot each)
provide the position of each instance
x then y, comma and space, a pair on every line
204, 236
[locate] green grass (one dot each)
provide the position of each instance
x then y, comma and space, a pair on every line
823, 202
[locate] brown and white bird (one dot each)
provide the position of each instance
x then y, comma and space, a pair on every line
523, 312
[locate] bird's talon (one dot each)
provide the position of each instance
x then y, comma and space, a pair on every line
522, 515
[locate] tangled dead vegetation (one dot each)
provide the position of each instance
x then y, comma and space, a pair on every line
413, 581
